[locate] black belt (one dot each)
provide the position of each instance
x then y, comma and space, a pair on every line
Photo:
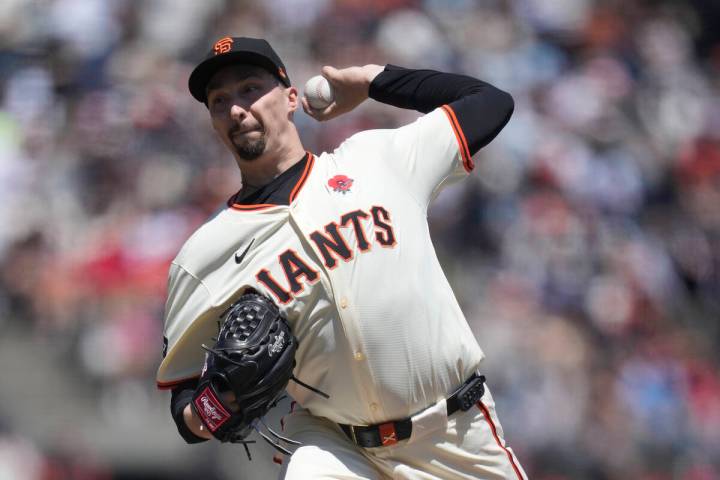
389, 433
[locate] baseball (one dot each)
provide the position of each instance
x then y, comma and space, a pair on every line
319, 92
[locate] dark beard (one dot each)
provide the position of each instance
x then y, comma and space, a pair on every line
250, 149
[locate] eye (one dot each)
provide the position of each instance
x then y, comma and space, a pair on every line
250, 87
217, 102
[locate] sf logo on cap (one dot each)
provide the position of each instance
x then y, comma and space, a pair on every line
223, 45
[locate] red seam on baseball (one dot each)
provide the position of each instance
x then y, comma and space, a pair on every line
319, 94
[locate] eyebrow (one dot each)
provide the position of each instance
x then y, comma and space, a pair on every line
238, 77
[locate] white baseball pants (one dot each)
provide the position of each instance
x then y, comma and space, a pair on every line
468, 445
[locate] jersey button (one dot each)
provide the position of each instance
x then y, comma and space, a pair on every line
374, 406
343, 303
359, 356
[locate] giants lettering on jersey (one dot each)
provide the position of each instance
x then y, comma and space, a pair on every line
333, 247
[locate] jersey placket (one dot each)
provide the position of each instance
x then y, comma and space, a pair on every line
340, 294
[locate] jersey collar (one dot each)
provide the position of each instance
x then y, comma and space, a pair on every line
235, 203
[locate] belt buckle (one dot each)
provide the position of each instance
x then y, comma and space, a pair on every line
471, 392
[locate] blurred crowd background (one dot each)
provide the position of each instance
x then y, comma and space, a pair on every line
584, 249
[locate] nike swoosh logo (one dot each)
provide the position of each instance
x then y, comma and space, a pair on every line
239, 258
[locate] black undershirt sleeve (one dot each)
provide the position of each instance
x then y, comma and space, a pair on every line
482, 110
180, 397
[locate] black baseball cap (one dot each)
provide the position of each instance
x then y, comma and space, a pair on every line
233, 50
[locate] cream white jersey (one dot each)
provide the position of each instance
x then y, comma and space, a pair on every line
351, 264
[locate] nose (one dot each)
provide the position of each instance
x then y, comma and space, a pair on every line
237, 113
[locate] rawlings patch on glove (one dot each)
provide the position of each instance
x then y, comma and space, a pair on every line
246, 371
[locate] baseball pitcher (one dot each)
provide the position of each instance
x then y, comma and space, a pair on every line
319, 278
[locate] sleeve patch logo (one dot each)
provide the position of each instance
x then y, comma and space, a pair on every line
340, 183
210, 409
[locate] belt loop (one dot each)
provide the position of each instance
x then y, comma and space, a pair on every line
352, 433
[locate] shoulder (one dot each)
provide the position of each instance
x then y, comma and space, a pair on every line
437, 118
197, 249
436, 122
365, 138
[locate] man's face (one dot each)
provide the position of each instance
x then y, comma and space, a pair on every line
250, 110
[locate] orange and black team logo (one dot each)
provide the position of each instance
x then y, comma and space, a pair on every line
223, 45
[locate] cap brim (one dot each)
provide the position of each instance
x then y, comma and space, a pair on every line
199, 78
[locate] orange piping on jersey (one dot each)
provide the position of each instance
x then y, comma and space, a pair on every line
247, 208
460, 136
239, 206
175, 383
486, 414
306, 173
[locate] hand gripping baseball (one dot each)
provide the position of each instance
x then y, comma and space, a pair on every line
350, 87
252, 359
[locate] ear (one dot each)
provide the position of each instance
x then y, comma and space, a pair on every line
293, 99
